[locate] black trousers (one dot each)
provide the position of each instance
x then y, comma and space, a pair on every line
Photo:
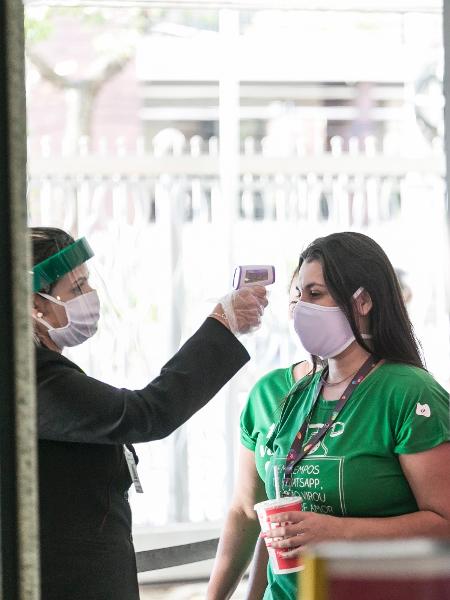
80, 569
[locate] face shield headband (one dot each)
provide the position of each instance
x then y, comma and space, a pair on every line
53, 268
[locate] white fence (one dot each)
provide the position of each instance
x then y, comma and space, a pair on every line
155, 220
355, 187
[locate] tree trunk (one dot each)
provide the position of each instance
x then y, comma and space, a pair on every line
80, 94
80, 107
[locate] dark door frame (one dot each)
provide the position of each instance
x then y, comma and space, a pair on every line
18, 474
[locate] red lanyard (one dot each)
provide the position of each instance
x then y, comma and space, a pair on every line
298, 451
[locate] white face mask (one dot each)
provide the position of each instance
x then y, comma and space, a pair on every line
323, 330
83, 313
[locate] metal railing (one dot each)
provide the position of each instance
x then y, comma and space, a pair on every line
174, 556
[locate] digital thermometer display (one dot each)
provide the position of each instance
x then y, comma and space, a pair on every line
253, 274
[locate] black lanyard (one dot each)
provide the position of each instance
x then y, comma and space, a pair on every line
298, 451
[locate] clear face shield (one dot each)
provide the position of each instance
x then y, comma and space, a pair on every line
69, 297
66, 305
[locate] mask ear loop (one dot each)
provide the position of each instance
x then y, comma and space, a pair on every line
51, 298
39, 315
365, 336
39, 318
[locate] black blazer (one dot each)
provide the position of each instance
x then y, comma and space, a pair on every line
86, 546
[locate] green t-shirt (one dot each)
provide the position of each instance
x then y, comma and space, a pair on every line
262, 412
355, 470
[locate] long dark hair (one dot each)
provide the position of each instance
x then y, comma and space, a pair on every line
351, 260
47, 241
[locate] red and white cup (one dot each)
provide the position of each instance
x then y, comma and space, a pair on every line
264, 510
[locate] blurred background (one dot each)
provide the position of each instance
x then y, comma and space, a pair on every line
183, 142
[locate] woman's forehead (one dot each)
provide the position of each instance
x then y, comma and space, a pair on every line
310, 272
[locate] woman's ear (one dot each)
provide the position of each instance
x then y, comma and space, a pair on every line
38, 309
363, 303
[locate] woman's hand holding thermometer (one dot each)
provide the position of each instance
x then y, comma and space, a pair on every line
242, 309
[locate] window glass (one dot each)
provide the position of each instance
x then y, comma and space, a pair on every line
182, 143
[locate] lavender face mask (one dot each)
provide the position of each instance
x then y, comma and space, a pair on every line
323, 330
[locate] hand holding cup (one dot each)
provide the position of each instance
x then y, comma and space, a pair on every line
270, 515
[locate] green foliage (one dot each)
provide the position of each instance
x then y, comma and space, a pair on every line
37, 30
41, 22
198, 19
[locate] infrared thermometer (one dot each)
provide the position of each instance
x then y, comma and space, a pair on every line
253, 274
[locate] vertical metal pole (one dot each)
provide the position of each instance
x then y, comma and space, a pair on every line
8, 492
178, 481
446, 39
229, 182
18, 473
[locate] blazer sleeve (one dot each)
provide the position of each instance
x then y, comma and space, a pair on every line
73, 407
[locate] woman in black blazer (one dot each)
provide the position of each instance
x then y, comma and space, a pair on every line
86, 427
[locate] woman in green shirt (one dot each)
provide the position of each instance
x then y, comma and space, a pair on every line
363, 442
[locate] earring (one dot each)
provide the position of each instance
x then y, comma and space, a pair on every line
39, 315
